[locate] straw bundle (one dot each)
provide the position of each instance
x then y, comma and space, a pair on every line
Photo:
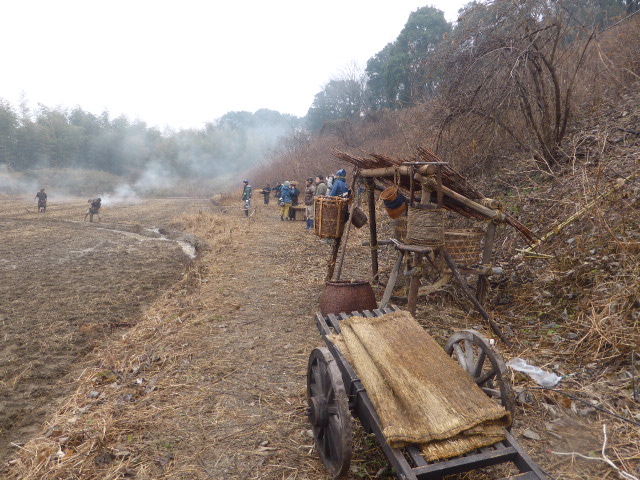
421, 395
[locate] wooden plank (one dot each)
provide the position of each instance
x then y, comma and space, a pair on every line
323, 326
416, 455
523, 476
524, 462
464, 464
334, 322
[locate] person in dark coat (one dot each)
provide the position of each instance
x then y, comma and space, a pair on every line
339, 187
42, 201
266, 191
285, 200
295, 193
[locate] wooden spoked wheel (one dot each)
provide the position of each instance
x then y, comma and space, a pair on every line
329, 412
474, 353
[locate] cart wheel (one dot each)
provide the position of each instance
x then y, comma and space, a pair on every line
472, 350
329, 412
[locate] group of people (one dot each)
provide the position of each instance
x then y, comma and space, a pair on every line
94, 207
288, 193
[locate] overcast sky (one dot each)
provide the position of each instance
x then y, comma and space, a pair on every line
184, 63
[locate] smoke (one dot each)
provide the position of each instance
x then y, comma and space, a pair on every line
91, 156
12, 183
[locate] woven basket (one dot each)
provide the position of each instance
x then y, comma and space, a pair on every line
425, 227
464, 245
330, 213
347, 296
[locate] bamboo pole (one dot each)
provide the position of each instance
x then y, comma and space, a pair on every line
558, 228
346, 239
399, 169
431, 184
332, 260
373, 231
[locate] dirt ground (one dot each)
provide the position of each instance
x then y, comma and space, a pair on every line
124, 358
67, 285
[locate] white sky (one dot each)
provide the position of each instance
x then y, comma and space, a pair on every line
183, 63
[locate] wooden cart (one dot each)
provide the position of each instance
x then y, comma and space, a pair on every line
335, 393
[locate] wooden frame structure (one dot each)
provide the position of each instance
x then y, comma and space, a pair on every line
428, 176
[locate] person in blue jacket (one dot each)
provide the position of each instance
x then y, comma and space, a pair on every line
285, 200
339, 187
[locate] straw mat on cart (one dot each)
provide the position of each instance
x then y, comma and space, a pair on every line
421, 394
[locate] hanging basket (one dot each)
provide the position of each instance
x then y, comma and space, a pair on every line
425, 226
464, 245
394, 202
330, 213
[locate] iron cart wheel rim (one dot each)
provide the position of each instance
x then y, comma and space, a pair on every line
473, 352
329, 412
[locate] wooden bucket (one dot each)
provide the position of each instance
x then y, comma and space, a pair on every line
347, 296
358, 218
395, 203
330, 213
464, 245
425, 226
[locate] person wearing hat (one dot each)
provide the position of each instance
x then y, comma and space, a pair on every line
285, 200
339, 187
309, 193
246, 196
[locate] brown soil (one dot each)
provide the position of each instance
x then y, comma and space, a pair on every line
68, 285
209, 380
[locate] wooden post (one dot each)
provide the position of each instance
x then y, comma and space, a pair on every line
332, 261
487, 254
373, 232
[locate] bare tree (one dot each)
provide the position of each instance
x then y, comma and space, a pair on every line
511, 69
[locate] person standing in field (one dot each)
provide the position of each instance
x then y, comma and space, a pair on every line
285, 200
339, 187
266, 191
321, 187
94, 209
42, 201
246, 196
309, 193
295, 193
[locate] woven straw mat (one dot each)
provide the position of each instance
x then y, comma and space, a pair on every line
421, 395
